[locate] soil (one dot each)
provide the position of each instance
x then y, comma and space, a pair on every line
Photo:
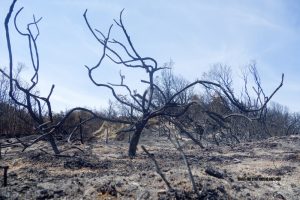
267, 169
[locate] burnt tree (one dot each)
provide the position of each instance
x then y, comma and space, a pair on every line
142, 106
37, 106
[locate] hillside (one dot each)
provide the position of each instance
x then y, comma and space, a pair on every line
103, 171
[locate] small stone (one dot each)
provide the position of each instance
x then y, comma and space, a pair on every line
145, 194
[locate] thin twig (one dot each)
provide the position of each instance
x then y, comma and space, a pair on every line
179, 148
158, 170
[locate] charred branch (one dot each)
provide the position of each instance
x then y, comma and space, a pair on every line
158, 170
145, 106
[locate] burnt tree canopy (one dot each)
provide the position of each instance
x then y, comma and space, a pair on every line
38, 107
25, 95
168, 99
144, 106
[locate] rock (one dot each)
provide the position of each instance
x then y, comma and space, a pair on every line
144, 194
214, 194
90, 191
213, 172
221, 189
216, 159
283, 170
293, 185
151, 175
290, 157
278, 196
74, 164
235, 160
58, 193
22, 189
44, 194
108, 189
236, 188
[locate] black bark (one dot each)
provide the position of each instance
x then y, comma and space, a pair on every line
52, 142
135, 138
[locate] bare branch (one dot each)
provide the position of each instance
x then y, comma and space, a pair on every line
158, 170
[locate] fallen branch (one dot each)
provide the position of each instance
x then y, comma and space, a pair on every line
179, 148
151, 156
5, 168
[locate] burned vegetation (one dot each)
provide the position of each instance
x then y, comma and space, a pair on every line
198, 139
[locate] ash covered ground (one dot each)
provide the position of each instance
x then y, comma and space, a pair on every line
104, 171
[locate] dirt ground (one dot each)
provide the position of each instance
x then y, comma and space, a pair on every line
103, 171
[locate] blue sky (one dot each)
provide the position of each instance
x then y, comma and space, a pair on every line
195, 34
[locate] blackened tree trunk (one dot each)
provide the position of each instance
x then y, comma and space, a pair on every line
135, 138
52, 142
158, 100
